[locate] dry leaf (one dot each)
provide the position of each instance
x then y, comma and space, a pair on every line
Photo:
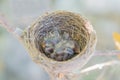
116, 37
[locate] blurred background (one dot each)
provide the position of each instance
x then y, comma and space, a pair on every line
16, 64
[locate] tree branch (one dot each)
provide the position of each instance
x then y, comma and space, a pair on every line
99, 66
13, 30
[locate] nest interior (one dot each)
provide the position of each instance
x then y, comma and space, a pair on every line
60, 26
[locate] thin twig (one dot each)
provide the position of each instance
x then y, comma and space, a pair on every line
5, 24
107, 53
99, 66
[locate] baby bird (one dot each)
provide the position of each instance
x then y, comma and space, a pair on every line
60, 47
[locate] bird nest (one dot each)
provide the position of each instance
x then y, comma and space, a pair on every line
60, 39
